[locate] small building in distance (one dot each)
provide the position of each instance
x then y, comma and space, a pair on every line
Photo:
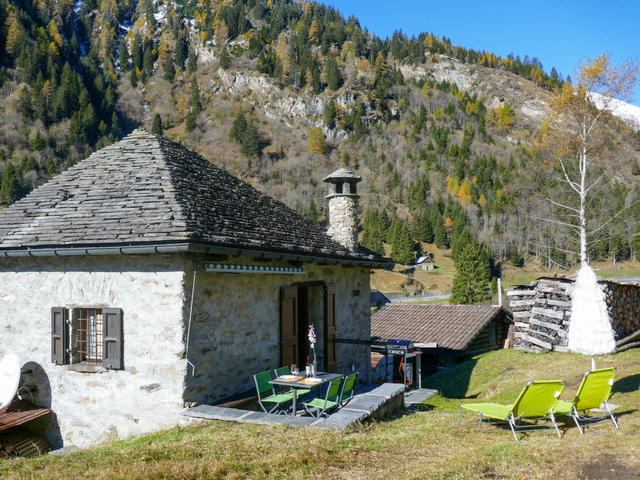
444, 333
425, 262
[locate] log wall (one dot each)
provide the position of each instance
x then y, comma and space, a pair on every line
542, 312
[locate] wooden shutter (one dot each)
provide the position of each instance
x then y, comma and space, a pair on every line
59, 336
332, 362
288, 325
112, 344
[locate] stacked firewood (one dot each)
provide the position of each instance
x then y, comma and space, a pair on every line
542, 313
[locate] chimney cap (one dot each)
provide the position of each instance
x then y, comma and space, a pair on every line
342, 175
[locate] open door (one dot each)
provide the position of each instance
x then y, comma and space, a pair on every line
289, 347
332, 363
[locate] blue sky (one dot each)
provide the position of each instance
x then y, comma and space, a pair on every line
559, 33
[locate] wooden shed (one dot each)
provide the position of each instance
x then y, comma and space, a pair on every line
445, 333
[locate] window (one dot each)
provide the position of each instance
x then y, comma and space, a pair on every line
86, 339
87, 336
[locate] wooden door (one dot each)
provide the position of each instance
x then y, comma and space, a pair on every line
330, 302
289, 346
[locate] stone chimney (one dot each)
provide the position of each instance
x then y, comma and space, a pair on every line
343, 208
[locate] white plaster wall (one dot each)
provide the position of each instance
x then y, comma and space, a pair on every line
95, 407
236, 322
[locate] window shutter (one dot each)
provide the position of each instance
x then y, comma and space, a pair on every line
59, 336
288, 325
332, 361
112, 340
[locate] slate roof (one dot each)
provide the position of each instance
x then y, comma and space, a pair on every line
146, 189
453, 327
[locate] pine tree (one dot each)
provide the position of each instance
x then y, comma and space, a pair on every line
440, 235
8, 185
192, 62
169, 68
156, 126
330, 114
124, 55
196, 105
402, 247
312, 210
225, 60
422, 227
137, 55
332, 73
471, 282
238, 127
635, 243
147, 61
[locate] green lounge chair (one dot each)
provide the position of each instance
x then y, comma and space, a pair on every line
535, 402
318, 406
594, 392
287, 371
348, 385
264, 387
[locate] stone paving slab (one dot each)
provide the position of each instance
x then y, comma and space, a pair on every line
418, 395
363, 406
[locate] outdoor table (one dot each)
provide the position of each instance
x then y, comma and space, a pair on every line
302, 382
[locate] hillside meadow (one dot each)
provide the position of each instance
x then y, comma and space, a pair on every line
424, 443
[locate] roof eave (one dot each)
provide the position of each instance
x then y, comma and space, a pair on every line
184, 247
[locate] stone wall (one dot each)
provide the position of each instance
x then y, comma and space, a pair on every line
542, 312
235, 330
343, 220
93, 407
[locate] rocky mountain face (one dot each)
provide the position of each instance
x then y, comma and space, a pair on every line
281, 93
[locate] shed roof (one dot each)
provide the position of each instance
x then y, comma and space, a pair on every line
146, 189
453, 327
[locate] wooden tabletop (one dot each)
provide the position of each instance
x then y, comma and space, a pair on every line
302, 382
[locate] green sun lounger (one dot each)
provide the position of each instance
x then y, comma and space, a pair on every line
535, 402
594, 392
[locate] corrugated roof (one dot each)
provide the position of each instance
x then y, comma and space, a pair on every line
453, 327
147, 189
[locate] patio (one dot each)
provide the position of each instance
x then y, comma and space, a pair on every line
369, 402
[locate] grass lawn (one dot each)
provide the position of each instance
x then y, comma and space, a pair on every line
425, 444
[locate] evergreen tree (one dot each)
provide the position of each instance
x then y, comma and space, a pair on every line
238, 127
312, 210
332, 73
147, 61
156, 126
440, 235
169, 68
330, 114
402, 250
635, 243
471, 282
225, 60
192, 62
196, 104
250, 140
191, 122
137, 55
124, 55
422, 227
8, 185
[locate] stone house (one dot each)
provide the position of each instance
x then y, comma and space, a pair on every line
425, 262
144, 279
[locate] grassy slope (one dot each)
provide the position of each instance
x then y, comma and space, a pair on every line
430, 443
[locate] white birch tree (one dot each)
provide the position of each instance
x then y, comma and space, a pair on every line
578, 136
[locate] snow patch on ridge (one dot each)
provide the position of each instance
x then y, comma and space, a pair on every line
629, 114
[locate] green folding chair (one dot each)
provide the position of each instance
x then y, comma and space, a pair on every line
535, 402
594, 392
280, 400
287, 371
348, 386
318, 406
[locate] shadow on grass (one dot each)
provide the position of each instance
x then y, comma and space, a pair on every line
453, 383
627, 384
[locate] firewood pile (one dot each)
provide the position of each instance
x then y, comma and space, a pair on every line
542, 313
22, 443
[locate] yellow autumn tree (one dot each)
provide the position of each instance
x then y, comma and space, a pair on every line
317, 142
283, 53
